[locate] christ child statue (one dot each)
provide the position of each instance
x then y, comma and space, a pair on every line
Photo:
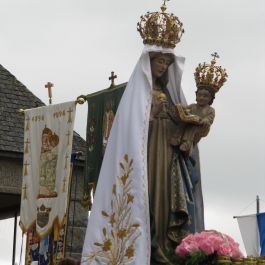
195, 120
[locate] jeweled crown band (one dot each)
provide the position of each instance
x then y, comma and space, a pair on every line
210, 75
160, 28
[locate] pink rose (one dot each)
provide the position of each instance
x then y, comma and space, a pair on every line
206, 247
181, 251
192, 246
224, 250
216, 241
189, 238
209, 242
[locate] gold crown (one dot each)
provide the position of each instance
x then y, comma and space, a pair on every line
210, 75
160, 28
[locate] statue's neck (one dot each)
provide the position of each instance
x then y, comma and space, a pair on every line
156, 86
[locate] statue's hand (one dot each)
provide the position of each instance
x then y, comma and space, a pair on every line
162, 109
187, 111
205, 123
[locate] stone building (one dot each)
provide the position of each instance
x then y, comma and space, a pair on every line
14, 96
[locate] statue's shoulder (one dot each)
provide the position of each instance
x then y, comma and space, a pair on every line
211, 109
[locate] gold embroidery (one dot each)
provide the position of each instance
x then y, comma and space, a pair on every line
37, 118
49, 154
26, 168
68, 137
120, 235
25, 192
59, 114
66, 160
26, 151
70, 110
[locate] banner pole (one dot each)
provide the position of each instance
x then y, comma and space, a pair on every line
14, 239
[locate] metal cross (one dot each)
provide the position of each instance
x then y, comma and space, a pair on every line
112, 77
70, 110
49, 85
215, 55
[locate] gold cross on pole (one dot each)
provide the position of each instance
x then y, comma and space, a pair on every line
49, 85
26, 168
112, 77
70, 110
25, 192
27, 146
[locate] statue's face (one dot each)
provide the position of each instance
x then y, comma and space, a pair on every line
159, 65
203, 97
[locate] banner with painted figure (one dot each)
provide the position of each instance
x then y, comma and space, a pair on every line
50, 249
102, 107
48, 135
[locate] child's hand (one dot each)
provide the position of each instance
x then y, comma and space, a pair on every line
205, 123
162, 100
161, 109
187, 111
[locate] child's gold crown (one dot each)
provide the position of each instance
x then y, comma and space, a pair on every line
210, 75
160, 28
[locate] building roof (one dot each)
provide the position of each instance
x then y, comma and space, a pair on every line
14, 96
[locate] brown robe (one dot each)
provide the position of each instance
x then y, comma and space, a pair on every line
167, 196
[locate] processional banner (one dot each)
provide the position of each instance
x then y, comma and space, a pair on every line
102, 107
252, 229
48, 137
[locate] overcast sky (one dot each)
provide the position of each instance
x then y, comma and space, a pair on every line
75, 44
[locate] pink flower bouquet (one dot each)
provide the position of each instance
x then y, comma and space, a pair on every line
208, 244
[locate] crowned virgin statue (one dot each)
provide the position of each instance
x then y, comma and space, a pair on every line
173, 176
148, 195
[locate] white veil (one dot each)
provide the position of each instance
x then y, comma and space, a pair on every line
129, 135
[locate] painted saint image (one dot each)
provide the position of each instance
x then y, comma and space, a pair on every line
108, 119
48, 163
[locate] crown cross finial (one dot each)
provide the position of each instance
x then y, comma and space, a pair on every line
164, 7
112, 77
215, 55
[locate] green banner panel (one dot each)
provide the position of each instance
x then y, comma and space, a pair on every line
102, 107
